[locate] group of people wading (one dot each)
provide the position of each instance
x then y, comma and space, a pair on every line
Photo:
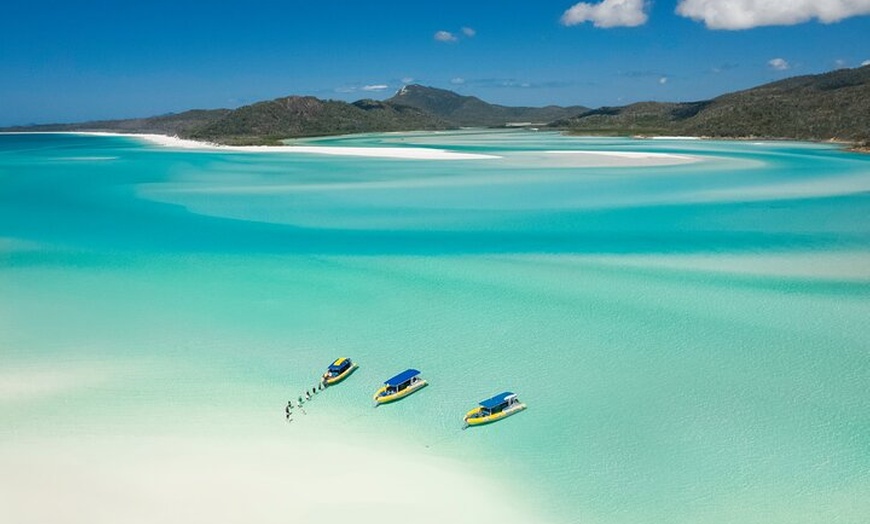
305, 397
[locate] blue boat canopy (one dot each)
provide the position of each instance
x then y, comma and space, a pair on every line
496, 401
402, 377
340, 364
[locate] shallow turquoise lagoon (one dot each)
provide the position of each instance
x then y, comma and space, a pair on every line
691, 337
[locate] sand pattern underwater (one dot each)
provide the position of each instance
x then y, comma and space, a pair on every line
687, 321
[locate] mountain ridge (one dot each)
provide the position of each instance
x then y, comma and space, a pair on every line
472, 111
827, 106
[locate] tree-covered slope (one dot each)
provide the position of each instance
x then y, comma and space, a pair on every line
472, 111
833, 105
300, 116
828, 106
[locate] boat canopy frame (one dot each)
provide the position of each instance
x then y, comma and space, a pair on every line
404, 377
340, 365
500, 401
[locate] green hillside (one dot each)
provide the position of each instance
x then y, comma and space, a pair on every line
472, 111
301, 116
830, 106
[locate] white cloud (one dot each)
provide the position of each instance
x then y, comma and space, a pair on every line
407, 80
445, 36
865, 63
840, 64
375, 87
663, 80
469, 32
779, 64
608, 13
746, 14
457, 81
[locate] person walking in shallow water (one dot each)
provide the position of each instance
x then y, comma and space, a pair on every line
287, 411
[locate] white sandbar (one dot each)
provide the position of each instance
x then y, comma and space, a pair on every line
559, 158
408, 153
570, 158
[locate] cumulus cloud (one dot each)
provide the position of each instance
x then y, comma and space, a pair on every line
458, 81
608, 13
663, 80
469, 32
375, 87
445, 36
779, 64
865, 63
746, 14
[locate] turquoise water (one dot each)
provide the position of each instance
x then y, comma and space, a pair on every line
692, 340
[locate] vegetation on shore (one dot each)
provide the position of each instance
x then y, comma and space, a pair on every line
297, 116
832, 106
827, 107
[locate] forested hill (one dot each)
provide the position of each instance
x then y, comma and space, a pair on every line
829, 106
300, 116
472, 111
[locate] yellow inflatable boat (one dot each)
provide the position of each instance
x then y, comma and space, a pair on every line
338, 371
399, 386
492, 409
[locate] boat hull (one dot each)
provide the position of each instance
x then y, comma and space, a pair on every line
381, 398
331, 381
472, 420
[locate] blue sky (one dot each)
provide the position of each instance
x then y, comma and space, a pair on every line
82, 60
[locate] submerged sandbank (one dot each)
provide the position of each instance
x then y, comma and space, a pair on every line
291, 474
602, 158
839, 266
